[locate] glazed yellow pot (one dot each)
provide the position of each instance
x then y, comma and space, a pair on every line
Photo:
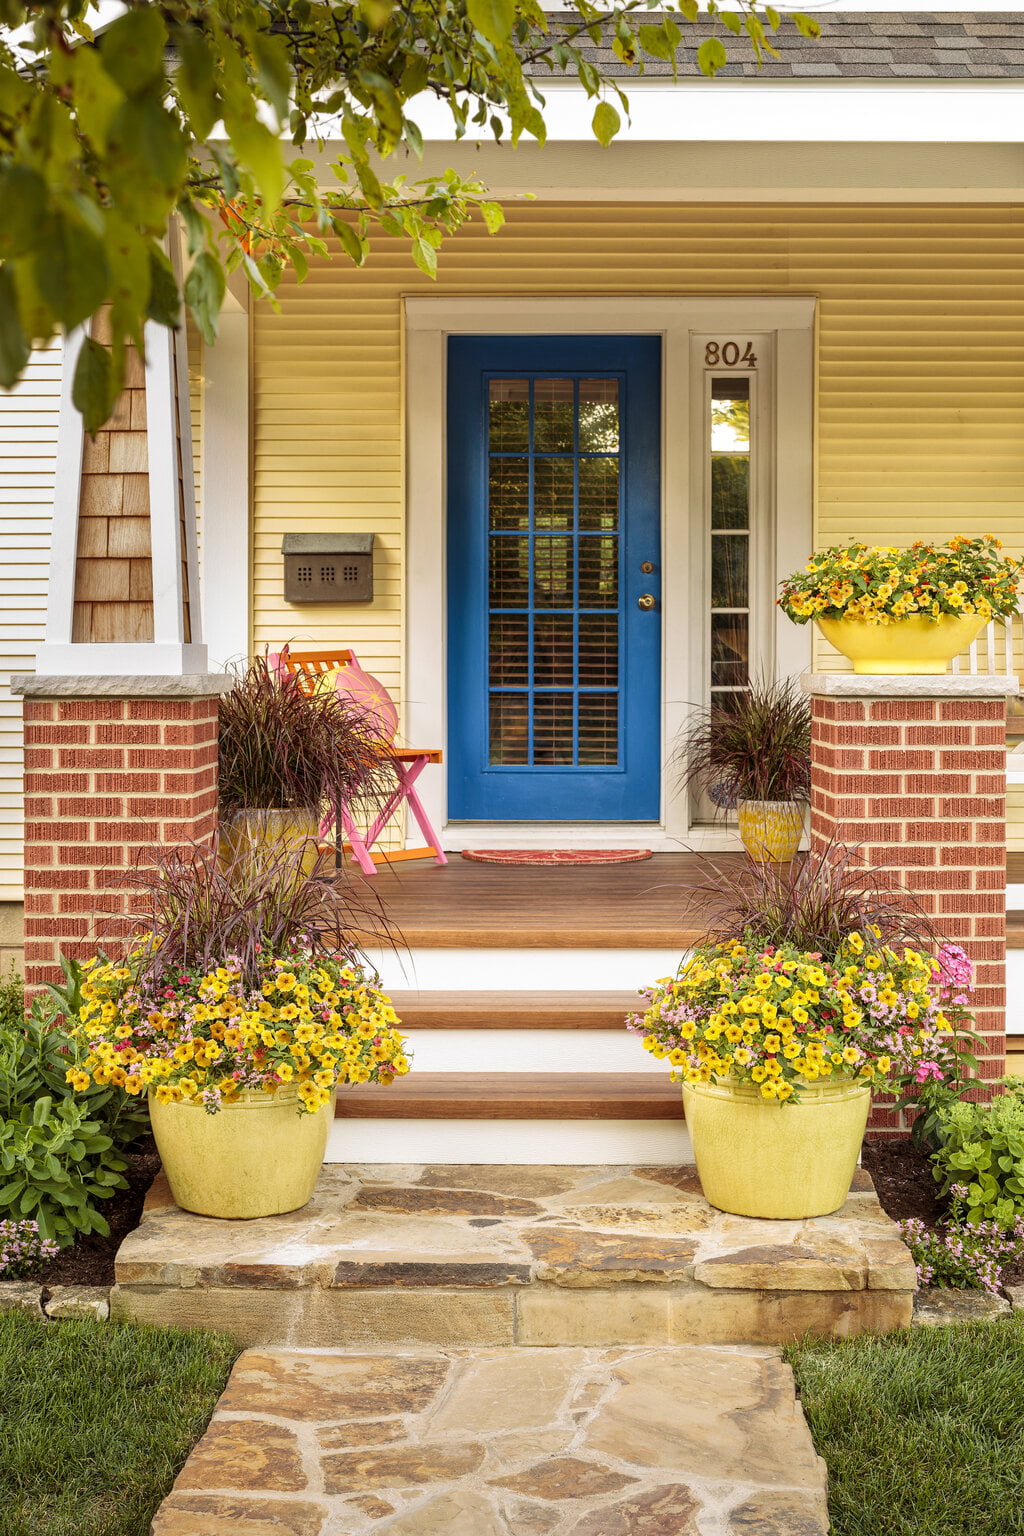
760, 1157
770, 829
255, 1157
905, 647
254, 832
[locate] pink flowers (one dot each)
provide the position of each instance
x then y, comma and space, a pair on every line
956, 976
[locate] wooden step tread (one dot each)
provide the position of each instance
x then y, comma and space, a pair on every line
515, 1096
514, 1010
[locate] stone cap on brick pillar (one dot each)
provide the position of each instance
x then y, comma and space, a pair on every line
193, 685
937, 685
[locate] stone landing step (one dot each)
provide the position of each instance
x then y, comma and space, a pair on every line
444, 1442
590, 1256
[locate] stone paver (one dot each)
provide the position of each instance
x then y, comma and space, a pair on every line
938, 1305
591, 1256
676, 1441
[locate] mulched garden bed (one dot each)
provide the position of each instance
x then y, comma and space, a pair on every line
903, 1180
91, 1260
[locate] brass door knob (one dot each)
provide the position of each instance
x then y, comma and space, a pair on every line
645, 601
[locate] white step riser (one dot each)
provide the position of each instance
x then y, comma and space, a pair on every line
522, 970
640, 1142
530, 1050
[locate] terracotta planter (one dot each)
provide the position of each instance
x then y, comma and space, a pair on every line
771, 829
760, 1157
256, 1157
910, 646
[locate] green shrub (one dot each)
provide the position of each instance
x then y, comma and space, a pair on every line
59, 1154
982, 1160
54, 1164
36, 1052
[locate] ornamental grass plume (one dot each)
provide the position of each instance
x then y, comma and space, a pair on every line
751, 745
813, 903
282, 747
243, 976
192, 906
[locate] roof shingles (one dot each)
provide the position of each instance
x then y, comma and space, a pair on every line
934, 45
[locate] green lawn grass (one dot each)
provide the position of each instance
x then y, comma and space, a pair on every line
922, 1431
96, 1420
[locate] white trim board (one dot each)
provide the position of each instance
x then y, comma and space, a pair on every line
517, 970
600, 1142
680, 321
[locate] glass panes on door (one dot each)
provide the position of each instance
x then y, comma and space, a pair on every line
554, 473
729, 434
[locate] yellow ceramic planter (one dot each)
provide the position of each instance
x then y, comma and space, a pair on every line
271, 832
255, 1157
906, 647
758, 1157
771, 829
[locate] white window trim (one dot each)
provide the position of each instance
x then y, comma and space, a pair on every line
428, 324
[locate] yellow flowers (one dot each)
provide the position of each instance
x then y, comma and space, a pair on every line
881, 585
207, 1037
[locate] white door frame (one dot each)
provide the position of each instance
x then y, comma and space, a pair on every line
677, 320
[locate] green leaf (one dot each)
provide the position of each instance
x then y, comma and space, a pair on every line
96, 95
93, 392
606, 122
654, 42
494, 216
164, 305
14, 348
807, 26
132, 50
41, 1110
274, 70
773, 17
72, 272
204, 294
732, 22
257, 149
493, 18
353, 245
376, 13
711, 55
196, 80
146, 163
425, 256
24, 198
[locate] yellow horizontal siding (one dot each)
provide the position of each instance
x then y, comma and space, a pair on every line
920, 370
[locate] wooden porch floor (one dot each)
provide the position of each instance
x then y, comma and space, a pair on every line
653, 904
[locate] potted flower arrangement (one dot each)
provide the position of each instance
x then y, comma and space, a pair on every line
286, 752
904, 610
238, 1013
752, 750
778, 1033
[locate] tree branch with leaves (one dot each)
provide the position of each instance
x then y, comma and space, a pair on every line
191, 109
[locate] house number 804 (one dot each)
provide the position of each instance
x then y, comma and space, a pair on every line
728, 352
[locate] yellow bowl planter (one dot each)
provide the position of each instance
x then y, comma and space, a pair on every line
760, 1157
257, 1156
771, 829
909, 646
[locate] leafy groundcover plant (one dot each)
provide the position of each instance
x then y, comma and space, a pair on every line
782, 1017
881, 585
245, 980
59, 1155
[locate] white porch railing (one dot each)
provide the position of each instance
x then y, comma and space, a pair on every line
999, 648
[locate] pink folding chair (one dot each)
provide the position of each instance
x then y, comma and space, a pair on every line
408, 762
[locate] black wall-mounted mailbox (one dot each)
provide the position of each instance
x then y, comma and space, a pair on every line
328, 567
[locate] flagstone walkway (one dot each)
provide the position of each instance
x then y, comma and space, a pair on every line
677, 1441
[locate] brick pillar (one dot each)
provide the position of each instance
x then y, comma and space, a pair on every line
113, 767
913, 769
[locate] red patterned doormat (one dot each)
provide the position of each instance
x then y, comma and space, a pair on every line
556, 855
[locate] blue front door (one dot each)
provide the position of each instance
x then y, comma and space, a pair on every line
554, 670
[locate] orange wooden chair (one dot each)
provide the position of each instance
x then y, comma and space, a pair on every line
408, 762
